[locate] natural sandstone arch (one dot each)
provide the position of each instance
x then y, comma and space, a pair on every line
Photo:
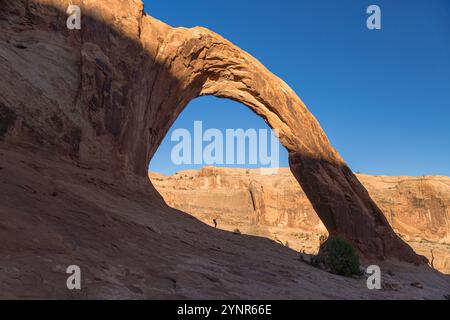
207, 64
127, 78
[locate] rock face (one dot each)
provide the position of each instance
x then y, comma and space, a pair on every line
107, 94
276, 207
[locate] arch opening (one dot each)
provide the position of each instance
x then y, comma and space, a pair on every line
243, 193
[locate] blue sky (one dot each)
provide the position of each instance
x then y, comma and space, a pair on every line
382, 97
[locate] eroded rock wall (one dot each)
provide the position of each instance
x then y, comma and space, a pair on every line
276, 207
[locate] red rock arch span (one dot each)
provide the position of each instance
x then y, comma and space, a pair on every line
206, 64
112, 90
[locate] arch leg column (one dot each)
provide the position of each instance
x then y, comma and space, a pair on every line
346, 209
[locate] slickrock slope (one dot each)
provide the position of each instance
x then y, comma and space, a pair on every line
81, 114
276, 207
107, 95
56, 212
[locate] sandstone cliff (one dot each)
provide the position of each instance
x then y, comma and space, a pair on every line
275, 206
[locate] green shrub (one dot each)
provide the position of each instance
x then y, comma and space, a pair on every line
237, 231
340, 257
